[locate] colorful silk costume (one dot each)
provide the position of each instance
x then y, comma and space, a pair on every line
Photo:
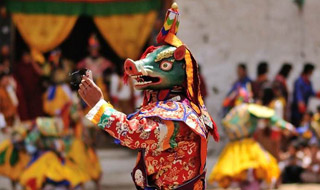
243, 153
58, 154
13, 157
47, 144
60, 101
172, 126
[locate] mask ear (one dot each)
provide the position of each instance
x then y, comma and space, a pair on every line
180, 52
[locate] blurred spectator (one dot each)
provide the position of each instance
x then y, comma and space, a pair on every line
304, 130
318, 110
122, 95
306, 167
57, 97
309, 135
293, 169
5, 51
312, 171
241, 90
97, 64
5, 59
5, 23
303, 90
262, 79
60, 67
315, 124
279, 103
101, 70
8, 98
281, 79
27, 74
271, 97
281, 89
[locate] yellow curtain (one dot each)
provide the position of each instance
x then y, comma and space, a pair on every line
126, 34
43, 32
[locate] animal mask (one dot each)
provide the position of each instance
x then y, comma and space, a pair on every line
161, 68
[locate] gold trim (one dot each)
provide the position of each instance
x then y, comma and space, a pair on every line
165, 54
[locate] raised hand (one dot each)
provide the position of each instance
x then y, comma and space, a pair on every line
90, 92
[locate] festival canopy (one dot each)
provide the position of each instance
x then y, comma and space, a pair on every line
125, 24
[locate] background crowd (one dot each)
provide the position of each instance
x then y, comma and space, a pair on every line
298, 154
32, 84
40, 110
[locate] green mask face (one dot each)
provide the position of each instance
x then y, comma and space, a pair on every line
163, 68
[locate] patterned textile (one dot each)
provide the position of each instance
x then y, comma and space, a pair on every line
171, 23
173, 137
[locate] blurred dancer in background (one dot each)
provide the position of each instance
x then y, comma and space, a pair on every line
13, 156
243, 160
270, 136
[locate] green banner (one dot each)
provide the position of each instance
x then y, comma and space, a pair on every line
82, 8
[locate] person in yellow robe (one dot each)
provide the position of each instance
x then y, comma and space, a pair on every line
48, 164
8, 98
81, 151
13, 157
243, 160
61, 101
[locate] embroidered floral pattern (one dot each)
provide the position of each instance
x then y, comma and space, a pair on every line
168, 166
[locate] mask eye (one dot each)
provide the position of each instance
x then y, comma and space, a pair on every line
166, 65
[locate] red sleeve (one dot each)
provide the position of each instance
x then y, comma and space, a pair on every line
135, 133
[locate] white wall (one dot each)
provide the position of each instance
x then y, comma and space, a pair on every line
221, 33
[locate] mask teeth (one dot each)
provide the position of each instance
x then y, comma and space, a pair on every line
142, 70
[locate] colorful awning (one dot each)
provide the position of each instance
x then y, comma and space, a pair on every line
83, 7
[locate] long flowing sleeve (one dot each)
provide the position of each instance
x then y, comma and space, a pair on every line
149, 133
281, 123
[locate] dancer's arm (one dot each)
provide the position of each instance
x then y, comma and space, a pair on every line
149, 133
280, 123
